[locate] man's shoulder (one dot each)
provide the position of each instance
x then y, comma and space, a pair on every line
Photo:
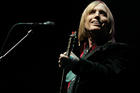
110, 48
115, 46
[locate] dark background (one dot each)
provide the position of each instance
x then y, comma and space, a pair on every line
32, 67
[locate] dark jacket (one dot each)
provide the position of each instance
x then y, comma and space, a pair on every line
102, 69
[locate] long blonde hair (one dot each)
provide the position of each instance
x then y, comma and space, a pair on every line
82, 34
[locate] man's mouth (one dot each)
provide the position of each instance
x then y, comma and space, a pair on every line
96, 23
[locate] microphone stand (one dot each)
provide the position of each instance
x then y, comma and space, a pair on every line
33, 24
16, 44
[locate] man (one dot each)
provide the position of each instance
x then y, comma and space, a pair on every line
103, 62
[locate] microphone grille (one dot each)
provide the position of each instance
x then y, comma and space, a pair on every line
49, 23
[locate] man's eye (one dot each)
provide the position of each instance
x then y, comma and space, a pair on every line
103, 13
92, 12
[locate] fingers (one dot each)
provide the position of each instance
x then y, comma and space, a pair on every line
65, 53
62, 57
59, 64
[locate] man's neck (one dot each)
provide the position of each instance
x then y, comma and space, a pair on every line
91, 42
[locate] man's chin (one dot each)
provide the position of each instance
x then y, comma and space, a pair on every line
95, 29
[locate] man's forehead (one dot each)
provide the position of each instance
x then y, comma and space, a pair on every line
100, 7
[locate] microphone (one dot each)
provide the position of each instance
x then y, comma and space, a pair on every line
47, 23
51, 23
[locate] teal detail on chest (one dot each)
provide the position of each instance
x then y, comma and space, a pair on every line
70, 75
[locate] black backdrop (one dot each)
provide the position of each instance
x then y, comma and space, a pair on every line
32, 65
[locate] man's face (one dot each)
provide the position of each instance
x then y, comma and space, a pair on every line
97, 18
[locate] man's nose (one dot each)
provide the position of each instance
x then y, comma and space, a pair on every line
96, 14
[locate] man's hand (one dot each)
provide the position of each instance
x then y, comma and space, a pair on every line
64, 60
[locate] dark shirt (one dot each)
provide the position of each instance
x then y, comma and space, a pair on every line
101, 69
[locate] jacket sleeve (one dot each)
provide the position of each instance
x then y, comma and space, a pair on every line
107, 64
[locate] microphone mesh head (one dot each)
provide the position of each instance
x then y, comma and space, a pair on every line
49, 23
